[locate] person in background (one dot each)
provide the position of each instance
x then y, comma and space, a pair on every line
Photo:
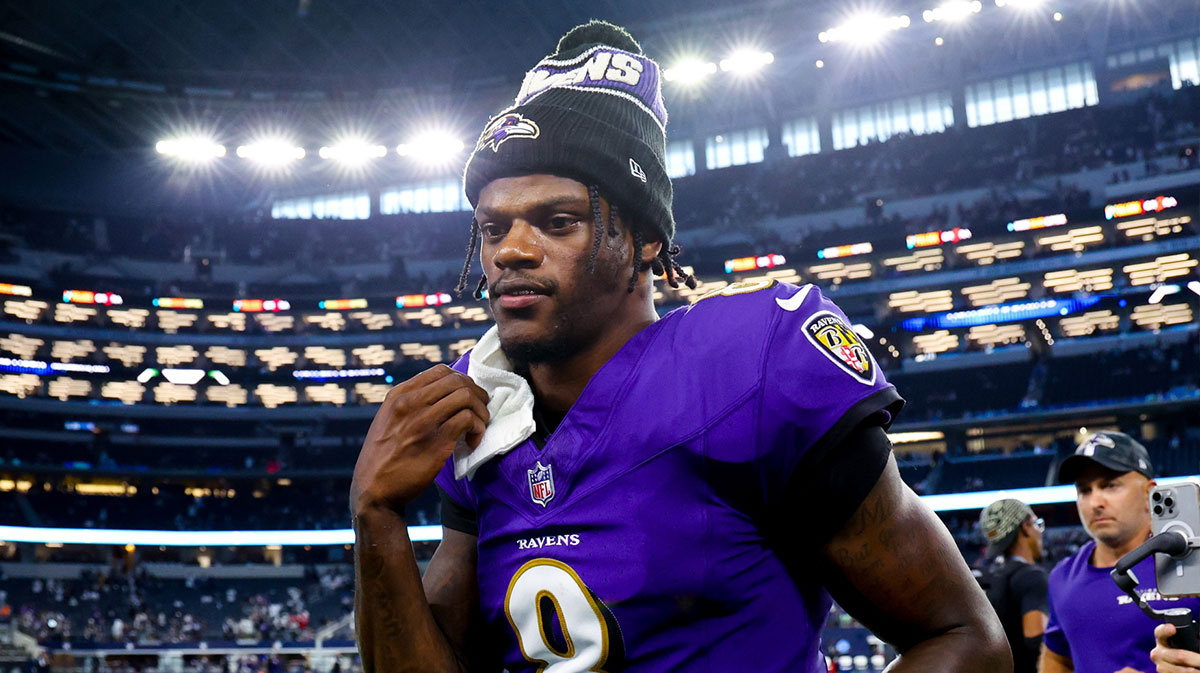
1015, 586
1094, 627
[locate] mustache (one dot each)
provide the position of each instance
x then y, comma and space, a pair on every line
519, 283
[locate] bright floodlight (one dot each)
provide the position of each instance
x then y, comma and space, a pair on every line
864, 29
190, 148
689, 71
432, 148
353, 152
747, 61
952, 11
271, 152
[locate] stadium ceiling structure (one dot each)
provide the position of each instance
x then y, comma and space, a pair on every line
123, 55
110, 76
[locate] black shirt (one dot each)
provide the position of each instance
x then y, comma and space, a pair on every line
1014, 588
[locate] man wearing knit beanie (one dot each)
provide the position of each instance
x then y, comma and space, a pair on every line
622, 491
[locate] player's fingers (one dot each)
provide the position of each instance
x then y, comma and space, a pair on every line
432, 393
463, 423
475, 434
477, 391
421, 380
457, 400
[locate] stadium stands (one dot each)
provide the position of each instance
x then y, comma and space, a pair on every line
214, 369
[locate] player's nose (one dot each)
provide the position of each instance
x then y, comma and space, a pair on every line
520, 247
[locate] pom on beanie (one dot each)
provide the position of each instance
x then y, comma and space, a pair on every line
597, 32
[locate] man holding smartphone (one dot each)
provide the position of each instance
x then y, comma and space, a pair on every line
1095, 627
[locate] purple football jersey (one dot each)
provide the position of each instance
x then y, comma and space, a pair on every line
633, 539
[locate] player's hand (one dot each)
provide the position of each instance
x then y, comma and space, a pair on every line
414, 432
1171, 660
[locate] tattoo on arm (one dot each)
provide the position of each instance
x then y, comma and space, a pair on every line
894, 566
398, 626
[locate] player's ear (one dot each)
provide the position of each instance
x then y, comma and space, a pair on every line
650, 250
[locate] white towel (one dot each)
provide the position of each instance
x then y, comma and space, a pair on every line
510, 403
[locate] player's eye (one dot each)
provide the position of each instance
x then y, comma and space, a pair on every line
560, 222
491, 230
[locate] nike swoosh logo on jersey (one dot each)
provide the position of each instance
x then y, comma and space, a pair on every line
793, 302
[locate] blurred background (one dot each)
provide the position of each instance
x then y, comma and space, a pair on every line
227, 228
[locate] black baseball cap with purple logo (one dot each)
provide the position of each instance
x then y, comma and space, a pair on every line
1114, 450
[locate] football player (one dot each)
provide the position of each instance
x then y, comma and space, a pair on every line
624, 492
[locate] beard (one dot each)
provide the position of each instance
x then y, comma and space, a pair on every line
577, 322
552, 346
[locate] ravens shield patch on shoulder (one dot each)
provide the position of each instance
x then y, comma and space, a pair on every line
830, 334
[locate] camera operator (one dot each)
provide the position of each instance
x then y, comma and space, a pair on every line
1094, 627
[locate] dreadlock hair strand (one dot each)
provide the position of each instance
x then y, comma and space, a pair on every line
598, 225
480, 286
637, 257
472, 247
665, 264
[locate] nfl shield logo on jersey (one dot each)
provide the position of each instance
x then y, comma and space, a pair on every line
541, 483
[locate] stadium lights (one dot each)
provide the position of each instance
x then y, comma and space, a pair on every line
353, 152
746, 61
864, 29
1164, 291
183, 377
271, 152
946, 502
862, 331
1194, 286
16, 290
952, 11
432, 148
193, 149
689, 71
1021, 5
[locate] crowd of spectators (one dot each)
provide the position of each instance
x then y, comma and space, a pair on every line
309, 504
137, 607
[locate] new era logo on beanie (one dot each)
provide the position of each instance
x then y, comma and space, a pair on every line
636, 170
592, 111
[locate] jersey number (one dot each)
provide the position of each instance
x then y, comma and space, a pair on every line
544, 585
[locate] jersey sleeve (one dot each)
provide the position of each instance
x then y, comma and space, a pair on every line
457, 517
836, 484
820, 383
